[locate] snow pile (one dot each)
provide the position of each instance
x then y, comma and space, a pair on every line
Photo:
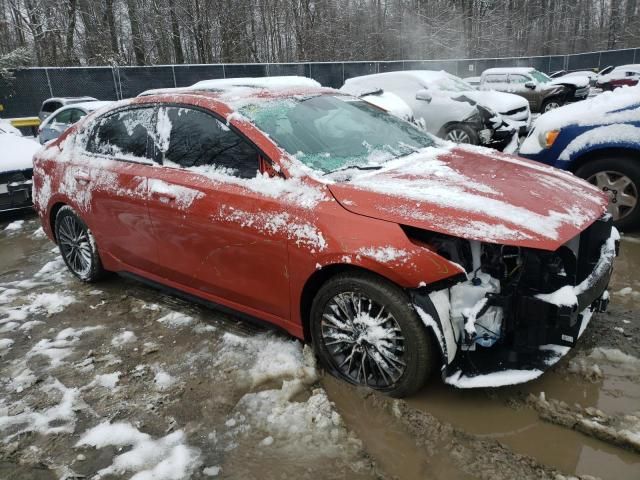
271, 83
162, 379
615, 356
212, 471
176, 320
107, 380
302, 233
167, 458
298, 427
59, 418
265, 358
5, 344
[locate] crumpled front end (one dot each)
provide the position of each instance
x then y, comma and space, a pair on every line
520, 309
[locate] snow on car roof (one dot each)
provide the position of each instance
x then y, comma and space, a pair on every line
225, 84
500, 70
259, 82
631, 66
64, 99
436, 79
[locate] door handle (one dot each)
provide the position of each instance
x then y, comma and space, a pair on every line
82, 178
164, 196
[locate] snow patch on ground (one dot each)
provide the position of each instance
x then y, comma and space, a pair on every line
123, 338
15, 225
176, 320
166, 458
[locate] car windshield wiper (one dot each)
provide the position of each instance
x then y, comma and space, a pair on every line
358, 167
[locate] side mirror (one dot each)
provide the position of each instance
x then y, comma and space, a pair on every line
423, 95
530, 85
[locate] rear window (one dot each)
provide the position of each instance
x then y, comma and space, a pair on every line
125, 134
51, 106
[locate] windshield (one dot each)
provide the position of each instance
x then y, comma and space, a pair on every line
539, 76
330, 132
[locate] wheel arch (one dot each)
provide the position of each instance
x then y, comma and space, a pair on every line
585, 156
53, 212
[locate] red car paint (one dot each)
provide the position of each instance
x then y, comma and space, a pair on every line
266, 275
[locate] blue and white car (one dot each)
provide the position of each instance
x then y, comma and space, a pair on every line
599, 140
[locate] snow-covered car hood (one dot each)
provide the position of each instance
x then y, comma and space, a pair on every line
6, 127
500, 102
477, 194
617, 107
17, 152
578, 81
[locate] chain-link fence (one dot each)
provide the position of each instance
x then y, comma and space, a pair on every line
25, 93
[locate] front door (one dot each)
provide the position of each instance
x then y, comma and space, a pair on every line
217, 234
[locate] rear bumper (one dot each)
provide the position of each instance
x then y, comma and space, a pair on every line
15, 195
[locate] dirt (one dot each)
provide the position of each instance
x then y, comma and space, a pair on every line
250, 402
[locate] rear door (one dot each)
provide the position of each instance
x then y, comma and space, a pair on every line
110, 185
217, 233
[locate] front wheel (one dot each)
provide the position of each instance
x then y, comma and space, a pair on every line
551, 104
460, 133
77, 245
619, 178
365, 331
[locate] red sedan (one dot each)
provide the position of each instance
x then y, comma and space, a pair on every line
393, 252
624, 75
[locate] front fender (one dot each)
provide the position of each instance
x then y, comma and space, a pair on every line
601, 138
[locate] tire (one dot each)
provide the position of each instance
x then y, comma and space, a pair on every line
551, 104
77, 246
406, 339
623, 172
461, 133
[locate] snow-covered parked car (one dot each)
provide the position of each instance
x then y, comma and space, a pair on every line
395, 254
16, 170
598, 140
6, 127
450, 108
64, 117
541, 91
624, 75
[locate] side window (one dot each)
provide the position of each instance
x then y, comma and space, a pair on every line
197, 139
515, 78
76, 114
494, 78
63, 117
125, 134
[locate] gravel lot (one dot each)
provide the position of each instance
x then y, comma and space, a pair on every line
118, 380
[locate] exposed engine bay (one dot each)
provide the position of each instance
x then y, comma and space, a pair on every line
515, 302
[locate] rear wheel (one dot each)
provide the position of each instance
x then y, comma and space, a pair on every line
460, 133
619, 178
365, 331
77, 245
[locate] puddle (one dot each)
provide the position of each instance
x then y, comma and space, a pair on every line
625, 284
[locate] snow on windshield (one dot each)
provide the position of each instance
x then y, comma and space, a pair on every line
329, 133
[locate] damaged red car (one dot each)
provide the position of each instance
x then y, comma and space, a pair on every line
394, 253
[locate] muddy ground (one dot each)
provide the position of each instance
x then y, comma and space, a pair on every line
117, 380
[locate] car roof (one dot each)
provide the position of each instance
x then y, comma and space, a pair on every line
502, 70
67, 99
631, 66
